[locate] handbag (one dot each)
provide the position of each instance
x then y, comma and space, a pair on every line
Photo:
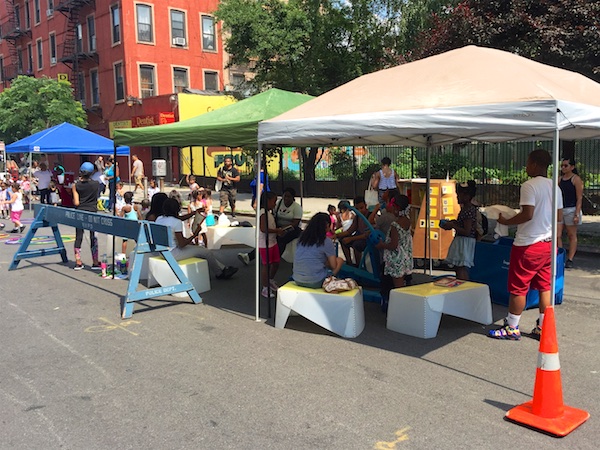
371, 198
332, 284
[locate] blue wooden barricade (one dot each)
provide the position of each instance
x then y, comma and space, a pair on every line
150, 238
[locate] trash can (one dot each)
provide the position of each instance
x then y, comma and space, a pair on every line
491, 268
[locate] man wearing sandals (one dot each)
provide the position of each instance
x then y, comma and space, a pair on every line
530, 257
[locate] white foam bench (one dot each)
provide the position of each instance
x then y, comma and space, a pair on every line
342, 314
417, 310
219, 235
195, 269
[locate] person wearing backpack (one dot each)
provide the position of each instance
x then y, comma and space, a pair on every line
461, 253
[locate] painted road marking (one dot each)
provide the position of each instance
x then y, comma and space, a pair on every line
401, 436
112, 326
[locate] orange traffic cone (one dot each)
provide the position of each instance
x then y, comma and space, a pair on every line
546, 412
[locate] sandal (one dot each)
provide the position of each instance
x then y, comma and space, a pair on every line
506, 332
536, 333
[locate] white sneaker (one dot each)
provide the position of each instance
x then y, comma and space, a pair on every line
244, 258
265, 292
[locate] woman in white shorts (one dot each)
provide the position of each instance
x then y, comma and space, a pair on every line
571, 187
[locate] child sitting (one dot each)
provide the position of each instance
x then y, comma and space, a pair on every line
129, 211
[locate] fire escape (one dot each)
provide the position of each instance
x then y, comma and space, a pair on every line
72, 52
13, 32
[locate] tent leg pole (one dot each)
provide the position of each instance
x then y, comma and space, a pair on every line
257, 259
555, 171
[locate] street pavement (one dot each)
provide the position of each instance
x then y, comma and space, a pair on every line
73, 375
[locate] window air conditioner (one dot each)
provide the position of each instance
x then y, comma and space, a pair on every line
52, 60
49, 12
179, 41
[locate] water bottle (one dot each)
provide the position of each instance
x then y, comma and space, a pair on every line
103, 266
124, 266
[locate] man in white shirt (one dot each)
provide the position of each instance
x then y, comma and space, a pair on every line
137, 170
531, 254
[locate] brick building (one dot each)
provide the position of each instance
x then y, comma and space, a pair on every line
127, 60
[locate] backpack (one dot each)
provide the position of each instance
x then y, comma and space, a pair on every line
481, 225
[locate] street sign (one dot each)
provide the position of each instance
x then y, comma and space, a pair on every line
62, 77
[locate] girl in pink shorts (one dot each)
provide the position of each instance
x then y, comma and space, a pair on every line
268, 249
16, 208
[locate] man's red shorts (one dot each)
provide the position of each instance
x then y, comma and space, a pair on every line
529, 268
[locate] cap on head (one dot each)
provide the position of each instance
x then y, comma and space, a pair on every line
87, 168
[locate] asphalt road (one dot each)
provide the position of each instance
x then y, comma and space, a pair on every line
73, 375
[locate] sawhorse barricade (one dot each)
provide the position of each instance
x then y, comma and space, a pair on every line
150, 238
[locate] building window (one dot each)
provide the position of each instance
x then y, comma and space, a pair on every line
19, 62
81, 88
50, 6
52, 48
147, 81
91, 29
144, 23
237, 80
37, 11
209, 37
119, 82
29, 59
79, 37
95, 87
27, 15
40, 54
211, 81
18, 16
115, 21
1, 68
178, 27
180, 79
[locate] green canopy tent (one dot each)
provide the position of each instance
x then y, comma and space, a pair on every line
234, 125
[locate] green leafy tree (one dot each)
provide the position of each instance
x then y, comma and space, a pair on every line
34, 104
342, 164
313, 46
443, 165
561, 33
310, 46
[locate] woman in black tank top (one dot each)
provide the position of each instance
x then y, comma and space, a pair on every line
571, 187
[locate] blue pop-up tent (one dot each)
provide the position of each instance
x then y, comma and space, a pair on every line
66, 138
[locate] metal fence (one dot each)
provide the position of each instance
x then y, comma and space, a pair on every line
499, 169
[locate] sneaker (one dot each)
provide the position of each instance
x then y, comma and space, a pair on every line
96, 267
2, 226
14, 230
230, 271
569, 264
227, 273
506, 332
22, 228
233, 215
244, 258
274, 286
536, 333
78, 267
265, 293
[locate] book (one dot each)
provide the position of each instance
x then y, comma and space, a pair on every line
448, 281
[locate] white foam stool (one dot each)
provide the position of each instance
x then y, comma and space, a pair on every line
145, 277
417, 310
195, 269
342, 314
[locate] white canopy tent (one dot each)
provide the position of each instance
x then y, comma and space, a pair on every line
464, 95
